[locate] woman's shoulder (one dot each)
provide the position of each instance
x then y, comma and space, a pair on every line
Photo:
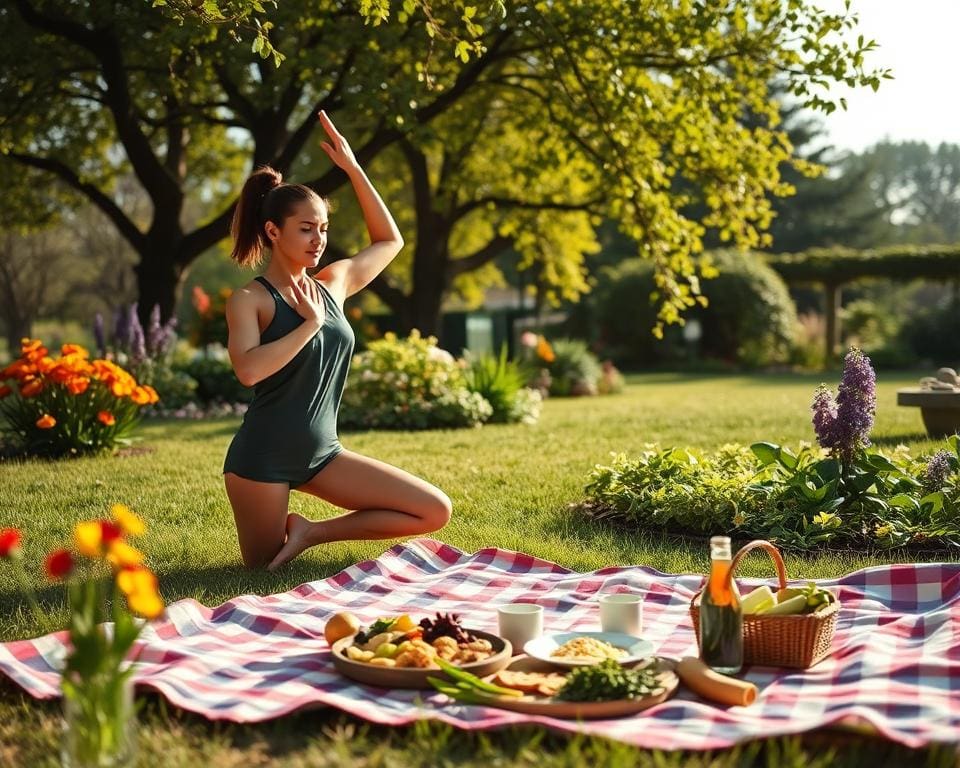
251, 295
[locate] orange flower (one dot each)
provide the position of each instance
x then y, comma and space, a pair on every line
106, 418
201, 300
121, 389
154, 397
46, 421
74, 349
32, 387
545, 351
59, 564
32, 349
4, 390
78, 385
45, 365
140, 396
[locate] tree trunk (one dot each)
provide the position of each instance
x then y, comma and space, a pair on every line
832, 304
158, 282
430, 279
17, 328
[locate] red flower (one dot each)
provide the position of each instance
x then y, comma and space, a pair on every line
109, 532
59, 564
9, 542
201, 300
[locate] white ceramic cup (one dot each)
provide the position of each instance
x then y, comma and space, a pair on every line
519, 623
621, 612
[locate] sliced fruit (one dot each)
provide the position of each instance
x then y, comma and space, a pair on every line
386, 650
788, 607
402, 624
758, 600
339, 626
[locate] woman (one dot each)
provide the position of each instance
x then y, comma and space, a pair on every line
289, 339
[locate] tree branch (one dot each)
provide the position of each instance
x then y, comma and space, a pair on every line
480, 257
388, 293
126, 227
533, 205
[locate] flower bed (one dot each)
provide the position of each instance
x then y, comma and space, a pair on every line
842, 493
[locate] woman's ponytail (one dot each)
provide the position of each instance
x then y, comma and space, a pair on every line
249, 238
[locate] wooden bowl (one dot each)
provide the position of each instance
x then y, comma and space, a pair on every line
412, 677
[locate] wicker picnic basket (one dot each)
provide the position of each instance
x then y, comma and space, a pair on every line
780, 641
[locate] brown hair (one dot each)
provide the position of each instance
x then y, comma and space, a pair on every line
264, 198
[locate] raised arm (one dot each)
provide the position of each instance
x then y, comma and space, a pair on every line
385, 238
252, 361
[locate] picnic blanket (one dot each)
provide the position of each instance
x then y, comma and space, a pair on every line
895, 664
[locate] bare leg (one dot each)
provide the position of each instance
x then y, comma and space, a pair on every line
260, 511
387, 502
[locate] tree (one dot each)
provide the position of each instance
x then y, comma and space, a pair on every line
920, 187
830, 206
636, 108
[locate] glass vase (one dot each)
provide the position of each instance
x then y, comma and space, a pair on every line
100, 722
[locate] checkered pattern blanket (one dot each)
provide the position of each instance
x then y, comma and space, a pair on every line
895, 665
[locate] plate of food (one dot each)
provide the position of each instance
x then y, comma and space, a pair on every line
396, 652
578, 649
597, 691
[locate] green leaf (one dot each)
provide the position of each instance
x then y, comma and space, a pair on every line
904, 501
767, 453
787, 458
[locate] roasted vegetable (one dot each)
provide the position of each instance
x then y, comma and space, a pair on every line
445, 625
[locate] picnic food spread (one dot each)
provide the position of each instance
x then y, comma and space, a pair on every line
587, 649
398, 642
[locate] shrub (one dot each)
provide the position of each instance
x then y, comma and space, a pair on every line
800, 500
216, 381
574, 369
934, 334
209, 324
749, 319
841, 493
502, 383
409, 384
70, 404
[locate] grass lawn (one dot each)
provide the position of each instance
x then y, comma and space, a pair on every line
511, 487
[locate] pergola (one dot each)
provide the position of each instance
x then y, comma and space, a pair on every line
832, 268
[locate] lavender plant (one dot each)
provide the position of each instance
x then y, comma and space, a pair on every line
843, 425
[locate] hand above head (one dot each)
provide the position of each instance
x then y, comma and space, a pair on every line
338, 149
309, 301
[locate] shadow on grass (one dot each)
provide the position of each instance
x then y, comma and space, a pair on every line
333, 738
894, 440
208, 585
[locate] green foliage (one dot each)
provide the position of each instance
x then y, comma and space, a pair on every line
215, 380
175, 388
799, 499
843, 265
409, 384
749, 318
502, 383
933, 334
666, 132
678, 489
574, 369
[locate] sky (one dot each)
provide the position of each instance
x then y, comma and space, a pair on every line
916, 39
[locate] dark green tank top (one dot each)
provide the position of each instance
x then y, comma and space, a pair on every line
289, 432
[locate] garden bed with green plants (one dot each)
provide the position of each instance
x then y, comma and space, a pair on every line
841, 493
506, 492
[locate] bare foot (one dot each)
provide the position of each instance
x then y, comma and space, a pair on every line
298, 539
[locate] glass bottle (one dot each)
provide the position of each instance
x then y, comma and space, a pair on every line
721, 618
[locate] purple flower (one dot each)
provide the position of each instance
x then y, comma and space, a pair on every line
938, 469
135, 341
843, 424
154, 332
98, 335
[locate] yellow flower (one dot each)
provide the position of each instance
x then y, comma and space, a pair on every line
132, 580
882, 531
87, 537
147, 604
132, 524
122, 555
